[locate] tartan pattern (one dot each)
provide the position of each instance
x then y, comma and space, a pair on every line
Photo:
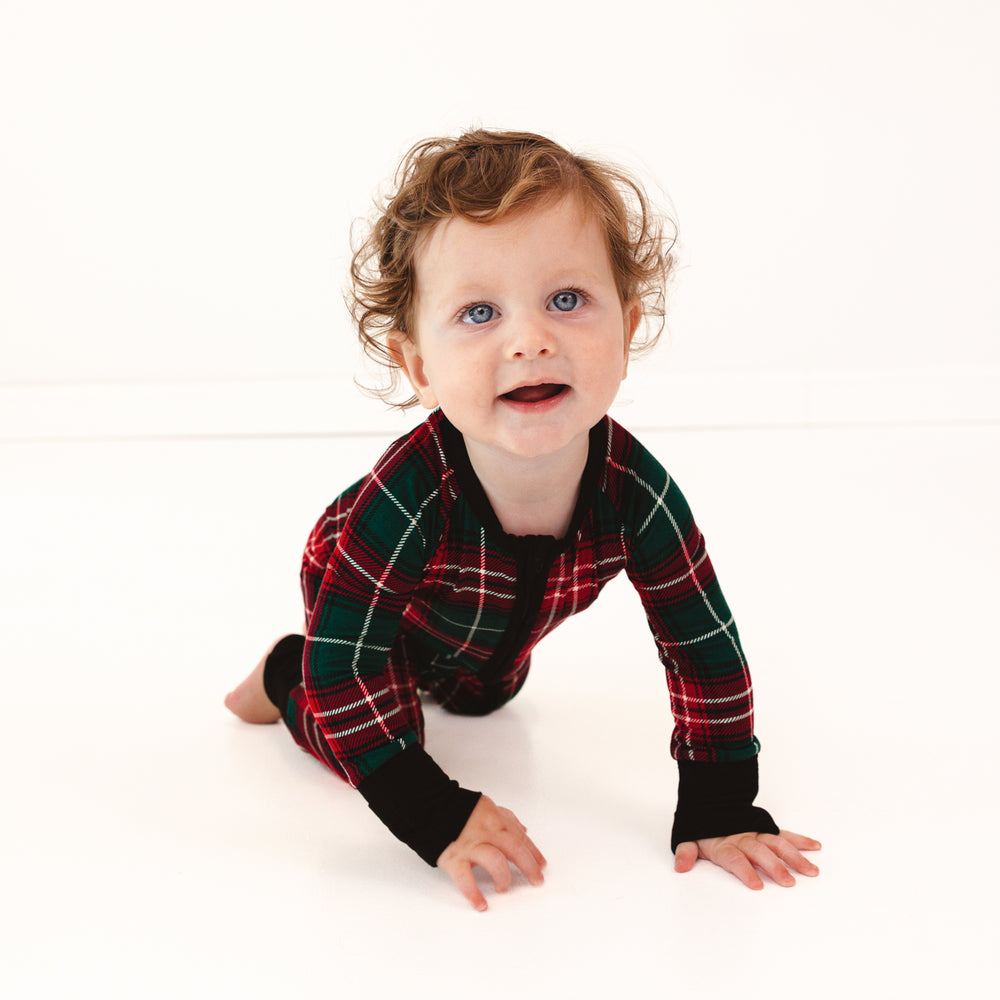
405, 588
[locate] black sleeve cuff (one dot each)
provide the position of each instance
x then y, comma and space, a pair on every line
715, 800
418, 802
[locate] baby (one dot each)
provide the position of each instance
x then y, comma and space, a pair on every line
507, 278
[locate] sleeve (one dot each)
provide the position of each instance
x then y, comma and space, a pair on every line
366, 586
366, 719
698, 643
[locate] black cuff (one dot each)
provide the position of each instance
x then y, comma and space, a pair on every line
715, 800
283, 670
418, 802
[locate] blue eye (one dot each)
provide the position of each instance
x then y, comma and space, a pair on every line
566, 301
478, 314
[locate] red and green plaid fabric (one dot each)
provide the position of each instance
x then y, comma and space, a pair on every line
408, 583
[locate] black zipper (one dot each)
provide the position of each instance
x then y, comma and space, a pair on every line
534, 554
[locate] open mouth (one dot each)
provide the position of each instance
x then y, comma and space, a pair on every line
535, 393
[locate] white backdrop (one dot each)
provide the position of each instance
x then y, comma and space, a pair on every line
177, 183
179, 179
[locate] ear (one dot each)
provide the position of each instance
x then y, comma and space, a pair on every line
631, 315
406, 354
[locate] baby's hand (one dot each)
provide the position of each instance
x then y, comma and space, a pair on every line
739, 853
493, 838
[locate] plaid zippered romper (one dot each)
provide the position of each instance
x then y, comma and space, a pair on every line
410, 584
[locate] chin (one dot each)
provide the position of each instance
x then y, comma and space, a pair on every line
543, 444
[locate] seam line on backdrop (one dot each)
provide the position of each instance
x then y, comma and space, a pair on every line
638, 429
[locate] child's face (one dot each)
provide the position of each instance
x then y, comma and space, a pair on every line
520, 336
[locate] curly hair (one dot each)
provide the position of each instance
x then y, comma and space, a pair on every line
486, 176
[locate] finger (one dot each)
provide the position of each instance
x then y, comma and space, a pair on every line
734, 861
685, 856
494, 862
461, 875
537, 854
528, 860
789, 855
802, 843
768, 862
518, 832
518, 848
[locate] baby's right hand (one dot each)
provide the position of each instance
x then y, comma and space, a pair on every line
493, 838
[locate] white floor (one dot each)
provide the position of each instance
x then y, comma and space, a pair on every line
154, 846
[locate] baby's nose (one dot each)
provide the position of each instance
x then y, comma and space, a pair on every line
531, 339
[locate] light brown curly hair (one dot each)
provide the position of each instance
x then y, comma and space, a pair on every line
486, 176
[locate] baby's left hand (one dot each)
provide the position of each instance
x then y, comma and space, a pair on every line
743, 853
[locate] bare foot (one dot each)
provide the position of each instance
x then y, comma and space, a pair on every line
248, 700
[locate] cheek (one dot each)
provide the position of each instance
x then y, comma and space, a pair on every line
461, 365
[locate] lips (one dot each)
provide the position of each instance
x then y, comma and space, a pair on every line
535, 393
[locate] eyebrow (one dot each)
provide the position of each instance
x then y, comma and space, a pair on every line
470, 290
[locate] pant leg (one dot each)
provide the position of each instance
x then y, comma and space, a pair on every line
463, 692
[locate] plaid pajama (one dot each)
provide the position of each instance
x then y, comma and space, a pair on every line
410, 583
